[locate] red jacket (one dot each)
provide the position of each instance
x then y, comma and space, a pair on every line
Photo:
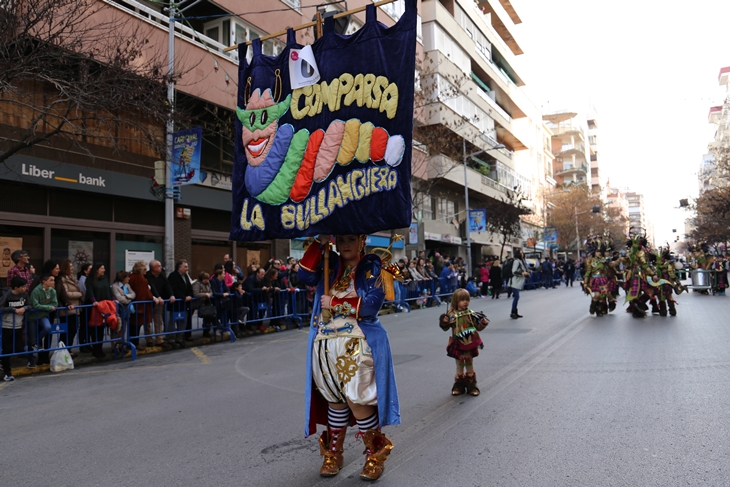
105, 312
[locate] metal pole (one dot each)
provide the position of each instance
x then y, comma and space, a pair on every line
169, 202
466, 197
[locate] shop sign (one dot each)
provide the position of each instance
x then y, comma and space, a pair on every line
413, 234
436, 237
451, 239
131, 257
216, 180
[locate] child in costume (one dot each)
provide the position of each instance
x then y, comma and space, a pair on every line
349, 365
464, 343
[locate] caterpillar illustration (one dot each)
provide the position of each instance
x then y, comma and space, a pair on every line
284, 164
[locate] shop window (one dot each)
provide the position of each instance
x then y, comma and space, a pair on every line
141, 212
31, 240
212, 220
144, 243
206, 254
81, 247
80, 204
23, 198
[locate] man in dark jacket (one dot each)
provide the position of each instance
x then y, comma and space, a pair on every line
254, 286
182, 288
547, 274
160, 287
569, 273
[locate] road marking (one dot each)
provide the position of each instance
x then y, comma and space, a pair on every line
203, 358
2, 386
434, 425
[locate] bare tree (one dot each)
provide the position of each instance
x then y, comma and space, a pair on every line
80, 73
505, 217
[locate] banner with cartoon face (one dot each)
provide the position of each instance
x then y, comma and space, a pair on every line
333, 156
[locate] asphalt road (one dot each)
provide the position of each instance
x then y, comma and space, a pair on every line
567, 400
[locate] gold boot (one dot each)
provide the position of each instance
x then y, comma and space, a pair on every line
471, 384
330, 447
377, 449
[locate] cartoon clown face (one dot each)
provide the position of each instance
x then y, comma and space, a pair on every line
260, 122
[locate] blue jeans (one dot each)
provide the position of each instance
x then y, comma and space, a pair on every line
515, 299
38, 330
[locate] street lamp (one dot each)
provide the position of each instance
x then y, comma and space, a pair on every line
466, 196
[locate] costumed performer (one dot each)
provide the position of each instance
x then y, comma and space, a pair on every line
597, 280
668, 281
464, 342
638, 290
350, 375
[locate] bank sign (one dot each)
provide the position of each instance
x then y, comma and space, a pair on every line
36, 172
26, 169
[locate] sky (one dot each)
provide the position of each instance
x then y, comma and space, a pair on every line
650, 68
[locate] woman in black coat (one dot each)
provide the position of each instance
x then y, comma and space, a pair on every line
495, 279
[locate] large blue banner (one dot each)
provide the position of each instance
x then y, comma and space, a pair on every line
333, 156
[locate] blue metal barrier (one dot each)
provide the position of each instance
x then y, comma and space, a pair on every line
63, 323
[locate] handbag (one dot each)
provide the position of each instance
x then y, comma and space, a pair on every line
207, 311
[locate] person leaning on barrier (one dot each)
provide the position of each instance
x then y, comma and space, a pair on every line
203, 292
13, 304
124, 295
182, 288
161, 289
273, 284
239, 307
70, 297
143, 314
97, 290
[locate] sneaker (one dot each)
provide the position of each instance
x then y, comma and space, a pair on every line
9, 378
32, 365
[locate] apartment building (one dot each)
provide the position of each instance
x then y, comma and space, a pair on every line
599, 181
57, 198
572, 149
708, 176
472, 96
617, 199
637, 214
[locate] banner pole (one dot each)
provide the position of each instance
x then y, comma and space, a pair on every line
327, 247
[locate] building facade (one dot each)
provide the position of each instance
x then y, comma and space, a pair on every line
96, 205
473, 103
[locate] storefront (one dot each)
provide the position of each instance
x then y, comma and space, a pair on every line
58, 211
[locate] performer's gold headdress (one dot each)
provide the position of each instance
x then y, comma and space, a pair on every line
389, 271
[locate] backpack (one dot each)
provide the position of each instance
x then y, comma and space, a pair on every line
507, 269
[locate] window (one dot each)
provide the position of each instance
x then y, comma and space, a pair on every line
443, 209
295, 4
395, 10
213, 33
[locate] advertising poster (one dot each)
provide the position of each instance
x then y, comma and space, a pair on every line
8, 245
413, 234
187, 146
80, 252
131, 257
478, 220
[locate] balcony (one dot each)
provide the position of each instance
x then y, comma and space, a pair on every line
193, 46
572, 148
569, 168
442, 167
568, 129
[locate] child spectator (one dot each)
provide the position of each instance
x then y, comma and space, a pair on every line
13, 305
43, 299
464, 343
